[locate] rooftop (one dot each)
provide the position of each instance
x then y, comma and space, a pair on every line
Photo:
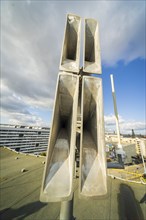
20, 194
21, 127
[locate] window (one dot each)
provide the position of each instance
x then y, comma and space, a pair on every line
21, 135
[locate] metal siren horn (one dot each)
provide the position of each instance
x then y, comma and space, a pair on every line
58, 174
92, 60
93, 177
71, 45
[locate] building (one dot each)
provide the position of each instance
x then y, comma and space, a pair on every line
26, 139
113, 138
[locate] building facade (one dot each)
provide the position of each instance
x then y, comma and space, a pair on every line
26, 139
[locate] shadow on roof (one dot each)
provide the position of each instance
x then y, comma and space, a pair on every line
129, 208
22, 212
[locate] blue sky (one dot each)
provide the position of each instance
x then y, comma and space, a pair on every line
130, 83
32, 34
130, 87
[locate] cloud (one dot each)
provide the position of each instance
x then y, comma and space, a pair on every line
136, 125
22, 110
123, 32
110, 119
32, 34
24, 118
126, 126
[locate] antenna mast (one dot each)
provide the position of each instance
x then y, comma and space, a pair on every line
116, 111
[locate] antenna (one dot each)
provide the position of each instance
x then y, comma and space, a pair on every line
116, 111
120, 152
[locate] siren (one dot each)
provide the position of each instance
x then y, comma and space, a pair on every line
71, 45
92, 60
58, 174
93, 177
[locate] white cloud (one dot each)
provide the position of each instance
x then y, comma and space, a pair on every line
110, 119
123, 32
19, 109
126, 126
136, 125
27, 119
23, 118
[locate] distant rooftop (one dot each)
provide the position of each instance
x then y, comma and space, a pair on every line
22, 126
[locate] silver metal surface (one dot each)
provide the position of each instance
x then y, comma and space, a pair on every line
77, 114
116, 111
92, 60
92, 153
58, 174
66, 211
71, 45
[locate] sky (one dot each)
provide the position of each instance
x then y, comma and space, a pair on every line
31, 42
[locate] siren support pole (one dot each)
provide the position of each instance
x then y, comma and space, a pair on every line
116, 111
66, 211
